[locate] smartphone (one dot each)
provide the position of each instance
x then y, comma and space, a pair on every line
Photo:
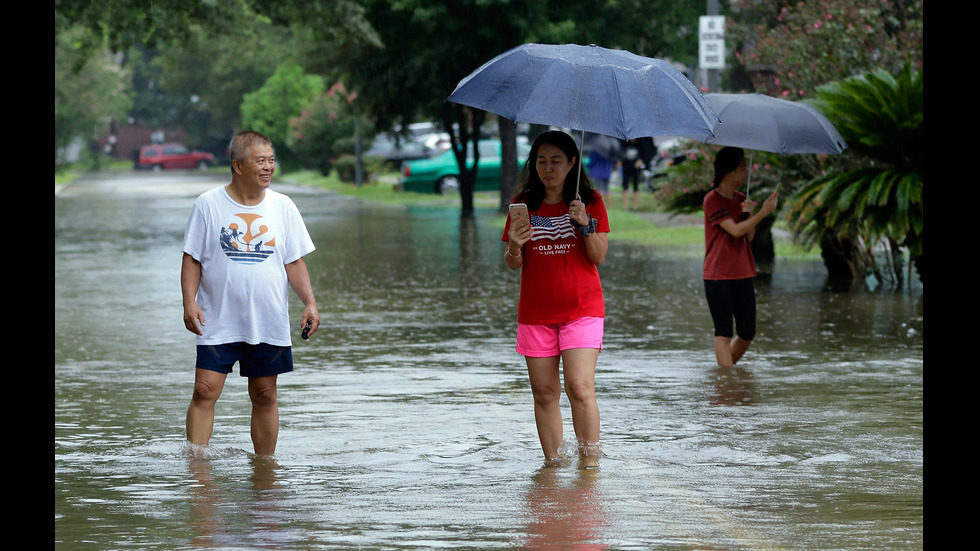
518, 215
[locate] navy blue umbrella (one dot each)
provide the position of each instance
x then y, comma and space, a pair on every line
589, 88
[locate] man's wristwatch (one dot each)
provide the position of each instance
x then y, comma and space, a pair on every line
586, 230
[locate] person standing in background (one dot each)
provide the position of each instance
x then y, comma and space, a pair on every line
638, 154
729, 267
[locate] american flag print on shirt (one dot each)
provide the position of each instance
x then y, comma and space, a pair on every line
558, 227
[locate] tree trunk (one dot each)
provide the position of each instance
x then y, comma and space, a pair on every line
841, 259
763, 248
508, 161
468, 121
897, 262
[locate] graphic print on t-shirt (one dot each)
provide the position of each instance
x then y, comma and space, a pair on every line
558, 227
247, 241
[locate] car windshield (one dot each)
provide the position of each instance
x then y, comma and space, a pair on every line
489, 149
385, 143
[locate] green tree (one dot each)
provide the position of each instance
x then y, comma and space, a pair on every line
799, 45
209, 74
880, 117
282, 98
120, 24
323, 133
90, 90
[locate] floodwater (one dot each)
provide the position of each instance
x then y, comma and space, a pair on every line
408, 421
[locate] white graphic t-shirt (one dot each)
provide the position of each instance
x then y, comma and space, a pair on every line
243, 251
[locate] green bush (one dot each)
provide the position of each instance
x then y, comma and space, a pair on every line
346, 166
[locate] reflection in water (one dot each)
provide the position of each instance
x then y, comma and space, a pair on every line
204, 518
731, 387
220, 516
265, 516
565, 510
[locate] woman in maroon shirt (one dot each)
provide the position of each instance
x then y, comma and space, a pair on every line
729, 268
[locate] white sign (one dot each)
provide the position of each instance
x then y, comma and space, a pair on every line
711, 42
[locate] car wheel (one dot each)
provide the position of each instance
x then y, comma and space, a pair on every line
157, 168
447, 184
202, 165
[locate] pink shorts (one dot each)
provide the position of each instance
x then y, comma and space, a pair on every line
547, 340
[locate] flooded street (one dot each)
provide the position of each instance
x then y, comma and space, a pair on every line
408, 422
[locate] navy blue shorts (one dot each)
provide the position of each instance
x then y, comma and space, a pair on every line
732, 299
254, 360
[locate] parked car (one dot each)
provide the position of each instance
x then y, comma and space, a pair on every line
670, 152
172, 155
440, 174
395, 151
437, 142
429, 135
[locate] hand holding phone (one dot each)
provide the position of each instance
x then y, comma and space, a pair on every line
519, 216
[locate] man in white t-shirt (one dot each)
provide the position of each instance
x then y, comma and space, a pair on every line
243, 250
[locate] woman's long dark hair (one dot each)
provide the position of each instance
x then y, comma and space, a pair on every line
530, 188
726, 160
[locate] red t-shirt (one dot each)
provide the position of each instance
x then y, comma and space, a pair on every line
558, 281
725, 257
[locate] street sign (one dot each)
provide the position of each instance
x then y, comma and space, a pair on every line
711, 42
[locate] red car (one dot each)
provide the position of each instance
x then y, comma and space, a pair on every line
172, 155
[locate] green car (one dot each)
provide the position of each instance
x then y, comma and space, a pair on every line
440, 174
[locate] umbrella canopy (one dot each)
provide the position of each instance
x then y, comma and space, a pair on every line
607, 146
764, 123
588, 88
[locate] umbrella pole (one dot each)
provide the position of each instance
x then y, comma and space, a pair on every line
578, 174
748, 183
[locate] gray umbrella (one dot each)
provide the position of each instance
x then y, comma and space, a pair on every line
756, 121
765, 123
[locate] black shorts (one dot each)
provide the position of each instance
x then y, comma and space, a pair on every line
254, 360
631, 176
732, 299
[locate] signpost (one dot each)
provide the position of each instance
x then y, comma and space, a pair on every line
711, 42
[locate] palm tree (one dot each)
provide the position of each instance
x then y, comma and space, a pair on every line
877, 202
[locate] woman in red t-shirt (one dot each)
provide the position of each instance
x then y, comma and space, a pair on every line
561, 310
729, 268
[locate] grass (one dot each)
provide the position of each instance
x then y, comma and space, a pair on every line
380, 189
629, 226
